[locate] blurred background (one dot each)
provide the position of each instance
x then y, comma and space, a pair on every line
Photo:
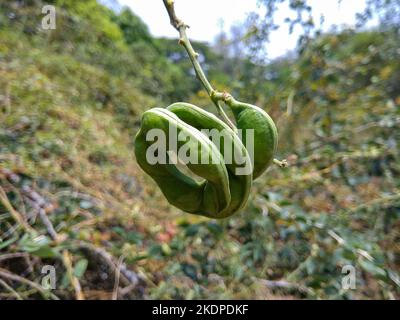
80, 220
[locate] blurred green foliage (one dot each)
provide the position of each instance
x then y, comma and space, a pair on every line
70, 102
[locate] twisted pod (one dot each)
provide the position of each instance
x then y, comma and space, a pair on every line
225, 186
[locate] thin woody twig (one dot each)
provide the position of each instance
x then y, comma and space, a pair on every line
72, 278
128, 277
11, 290
49, 226
13, 255
37, 201
283, 284
181, 27
12, 276
14, 213
117, 276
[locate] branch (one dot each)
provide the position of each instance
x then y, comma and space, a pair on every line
181, 27
12, 276
127, 276
283, 284
14, 213
13, 255
11, 290
70, 274
37, 201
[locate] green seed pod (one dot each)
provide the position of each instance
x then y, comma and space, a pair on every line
248, 116
222, 192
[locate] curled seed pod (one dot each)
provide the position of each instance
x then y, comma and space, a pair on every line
223, 191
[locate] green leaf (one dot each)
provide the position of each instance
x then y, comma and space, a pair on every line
8, 242
37, 245
80, 268
45, 252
